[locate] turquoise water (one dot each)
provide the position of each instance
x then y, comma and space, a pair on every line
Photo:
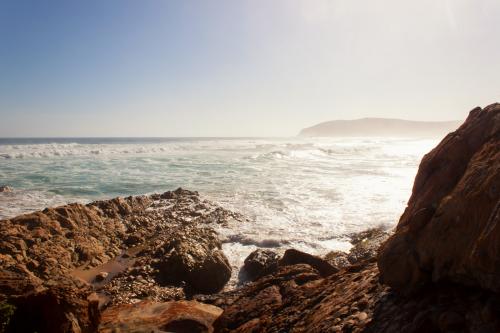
300, 192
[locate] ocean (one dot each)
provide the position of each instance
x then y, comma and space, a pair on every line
305, 193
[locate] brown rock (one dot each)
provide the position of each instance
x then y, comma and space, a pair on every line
293, 257
83, 240
450, 230
181, 316
297, 299
193, 255
61, 308
259, 263
101, 276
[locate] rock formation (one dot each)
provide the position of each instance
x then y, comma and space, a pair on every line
194, 256
52, 262
146, 316
450, 230
259, 263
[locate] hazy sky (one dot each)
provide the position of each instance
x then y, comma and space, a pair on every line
240, 68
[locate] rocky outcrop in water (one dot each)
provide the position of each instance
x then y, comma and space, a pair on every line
365, 246
121, 251
450, 230
259, 263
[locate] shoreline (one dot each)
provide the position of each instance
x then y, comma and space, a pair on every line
156, 263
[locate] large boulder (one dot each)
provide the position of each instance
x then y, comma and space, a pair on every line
259, 263
450, 230
194, 256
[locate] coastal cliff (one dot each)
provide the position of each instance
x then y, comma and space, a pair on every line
155, 263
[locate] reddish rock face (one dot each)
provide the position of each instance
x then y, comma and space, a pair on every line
181, 316
297, 299
450, 230
63, 307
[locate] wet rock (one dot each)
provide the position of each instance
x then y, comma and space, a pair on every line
101, 276
450, 230
193, 255
259, 263
365, 247
366, 244
337, 259
293, 257
181, 316
5, 188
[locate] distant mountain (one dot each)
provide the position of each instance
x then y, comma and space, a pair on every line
381, 127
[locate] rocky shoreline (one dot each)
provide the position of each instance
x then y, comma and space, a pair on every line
155, 263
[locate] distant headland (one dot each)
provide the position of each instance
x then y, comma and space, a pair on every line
380, 127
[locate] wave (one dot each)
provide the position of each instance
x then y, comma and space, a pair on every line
248, 240
25, 201
68, 150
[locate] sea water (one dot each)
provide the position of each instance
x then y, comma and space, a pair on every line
305, 193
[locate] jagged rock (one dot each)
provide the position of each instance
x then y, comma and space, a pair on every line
109, 236
293, 257
366, 244
337, 259
181, 316
450, 230
297, 299
193, 255
365, 247
259, 263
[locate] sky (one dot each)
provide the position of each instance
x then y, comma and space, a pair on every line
240, 68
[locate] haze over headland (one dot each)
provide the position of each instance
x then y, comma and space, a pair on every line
240, 68
381, 127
